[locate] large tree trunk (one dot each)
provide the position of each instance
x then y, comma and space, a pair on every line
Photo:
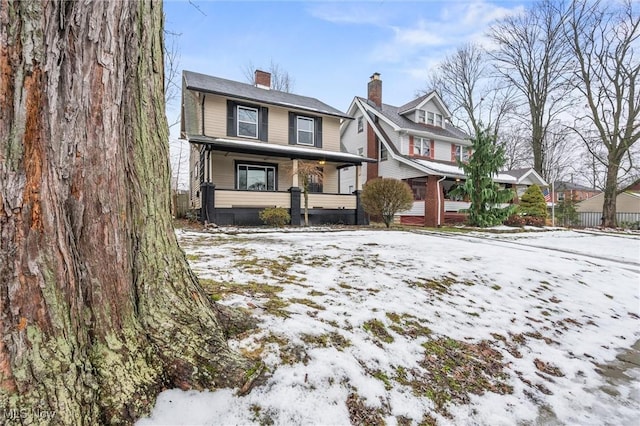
610, 193
99, 310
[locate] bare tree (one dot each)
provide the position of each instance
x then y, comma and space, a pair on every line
533, 57
463, 80
280, 79
307, 173
99, 310
604, 38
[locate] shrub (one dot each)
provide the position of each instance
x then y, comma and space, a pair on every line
515, 220
275, 216
532, 203
384, 197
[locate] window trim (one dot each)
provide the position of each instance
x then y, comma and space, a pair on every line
265, 166
422, 142
439, 120
382, 149
462, 153
422, 116
431, 118
312, 131
238, 121
360, 124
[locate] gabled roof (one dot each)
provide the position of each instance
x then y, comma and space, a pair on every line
570, 186
522, 174
420, 101
238, 90
392, 113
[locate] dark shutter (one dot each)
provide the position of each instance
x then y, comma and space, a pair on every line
292, 128
318, 132
231, 118
263, 124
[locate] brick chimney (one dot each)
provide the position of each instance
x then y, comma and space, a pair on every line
374, 89
263, 79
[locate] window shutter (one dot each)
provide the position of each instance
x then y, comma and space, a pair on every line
318, 132
231, 118
411, 146
453, 152
432, 149
292, 128
263, 123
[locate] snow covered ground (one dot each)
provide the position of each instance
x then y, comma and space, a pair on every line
376, 326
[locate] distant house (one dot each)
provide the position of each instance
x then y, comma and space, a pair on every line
573, 191
416, 143
627, 208
247, 140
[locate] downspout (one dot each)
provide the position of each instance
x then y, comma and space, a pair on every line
439, 195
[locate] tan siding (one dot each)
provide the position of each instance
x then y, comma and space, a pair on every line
331, 134
330, 180
191, 112
330, 201
215, 116
226, 199
194, 175
278, 125
625, 203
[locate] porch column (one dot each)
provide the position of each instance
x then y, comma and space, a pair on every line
361, 218
433, 203
515, 200
294, 173
295, 210
207, 202
358, 180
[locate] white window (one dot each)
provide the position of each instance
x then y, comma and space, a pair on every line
430, 119
462, 153
422, 147
256, 177
360, 124
439, 120
247, 122
421, 114
305, 130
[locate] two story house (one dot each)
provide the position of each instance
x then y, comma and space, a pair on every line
247, 142
416, 143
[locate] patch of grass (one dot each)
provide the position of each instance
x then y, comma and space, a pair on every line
360, 414
308, 302
496, 287
454, 369
193, 257
439, 285
380, 375
326, 340
608, 295
407, 325
547, 367
377, 328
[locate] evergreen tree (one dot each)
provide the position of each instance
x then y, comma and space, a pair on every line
486, 196
566, 211
532, 203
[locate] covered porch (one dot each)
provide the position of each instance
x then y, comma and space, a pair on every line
238, 179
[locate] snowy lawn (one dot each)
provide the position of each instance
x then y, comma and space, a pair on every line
375, 326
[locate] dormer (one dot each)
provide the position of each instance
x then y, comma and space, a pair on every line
428, 109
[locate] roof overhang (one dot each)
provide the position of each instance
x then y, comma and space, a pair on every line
276, 150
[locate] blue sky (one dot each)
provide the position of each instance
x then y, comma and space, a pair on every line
330, 48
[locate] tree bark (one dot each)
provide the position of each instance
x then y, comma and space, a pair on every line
610, 193
99, 309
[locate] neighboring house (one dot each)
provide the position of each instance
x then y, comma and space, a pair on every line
627, 208
247, 140
415, 143
573, 191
